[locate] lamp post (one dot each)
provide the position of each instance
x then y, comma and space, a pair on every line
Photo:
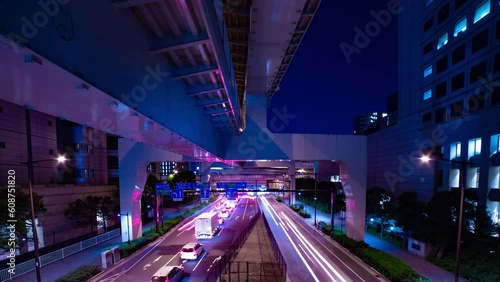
128, 227
315, 197
463, 166
29, 164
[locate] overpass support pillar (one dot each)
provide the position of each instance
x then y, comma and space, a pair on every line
291, 177
205, 171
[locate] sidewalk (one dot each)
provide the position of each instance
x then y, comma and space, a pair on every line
90, 256
423, 267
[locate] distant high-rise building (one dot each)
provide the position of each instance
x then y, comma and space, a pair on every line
363, 121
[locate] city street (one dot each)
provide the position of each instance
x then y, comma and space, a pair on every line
142, 265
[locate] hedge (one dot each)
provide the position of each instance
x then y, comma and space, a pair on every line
391, 267
81, 274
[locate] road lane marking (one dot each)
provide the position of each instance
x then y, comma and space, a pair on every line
246, 206
172, 259
300, 223
215, 260
202, 257
300, 255
306, 254
146, 266
221, 231
316, 254
157, 259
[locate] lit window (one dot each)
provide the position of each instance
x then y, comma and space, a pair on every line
427, 94
443, 40
482, 11
474, 147
498, 144
455, 149
460, 26
428, 71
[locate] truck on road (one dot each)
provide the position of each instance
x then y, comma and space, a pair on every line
206, 225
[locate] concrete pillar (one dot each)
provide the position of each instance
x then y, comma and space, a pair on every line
354, 183
205, 171
131, 188
133, 159
291, 176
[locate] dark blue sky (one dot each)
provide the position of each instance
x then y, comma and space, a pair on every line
321, 87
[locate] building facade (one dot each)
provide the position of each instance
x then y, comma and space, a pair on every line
448, 104
85, 172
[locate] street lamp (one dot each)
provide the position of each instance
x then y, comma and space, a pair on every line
315, 197
128, 227
29, 163
463, 166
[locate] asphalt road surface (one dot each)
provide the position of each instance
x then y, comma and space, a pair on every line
311, 256
165, 251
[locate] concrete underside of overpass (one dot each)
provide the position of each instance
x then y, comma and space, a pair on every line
160, 74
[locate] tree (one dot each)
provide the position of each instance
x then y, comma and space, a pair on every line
184, 176
381, 204
105, 211
85, 211
442, 217
409, 212
148, 199
22, 215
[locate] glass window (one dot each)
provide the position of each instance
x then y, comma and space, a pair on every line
428, 71
427, 94
474, 147
482, 10
498, 144
455, 149
443, 40
460, 26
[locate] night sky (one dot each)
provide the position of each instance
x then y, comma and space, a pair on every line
321, 87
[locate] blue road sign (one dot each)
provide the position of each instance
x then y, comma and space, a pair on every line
231, 193
162, 188
203, 185
177, 195
205, 193
237, 185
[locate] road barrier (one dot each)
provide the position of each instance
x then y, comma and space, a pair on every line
57, 255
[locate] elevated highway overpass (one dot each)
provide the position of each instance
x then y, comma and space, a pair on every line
178, 80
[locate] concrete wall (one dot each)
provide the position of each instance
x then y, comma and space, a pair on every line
43, 138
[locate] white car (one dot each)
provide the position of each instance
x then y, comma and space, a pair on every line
168, 273
191, 251
224, 213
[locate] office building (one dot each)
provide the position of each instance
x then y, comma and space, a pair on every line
448, 102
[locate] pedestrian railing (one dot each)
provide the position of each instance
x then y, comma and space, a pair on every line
57, 255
